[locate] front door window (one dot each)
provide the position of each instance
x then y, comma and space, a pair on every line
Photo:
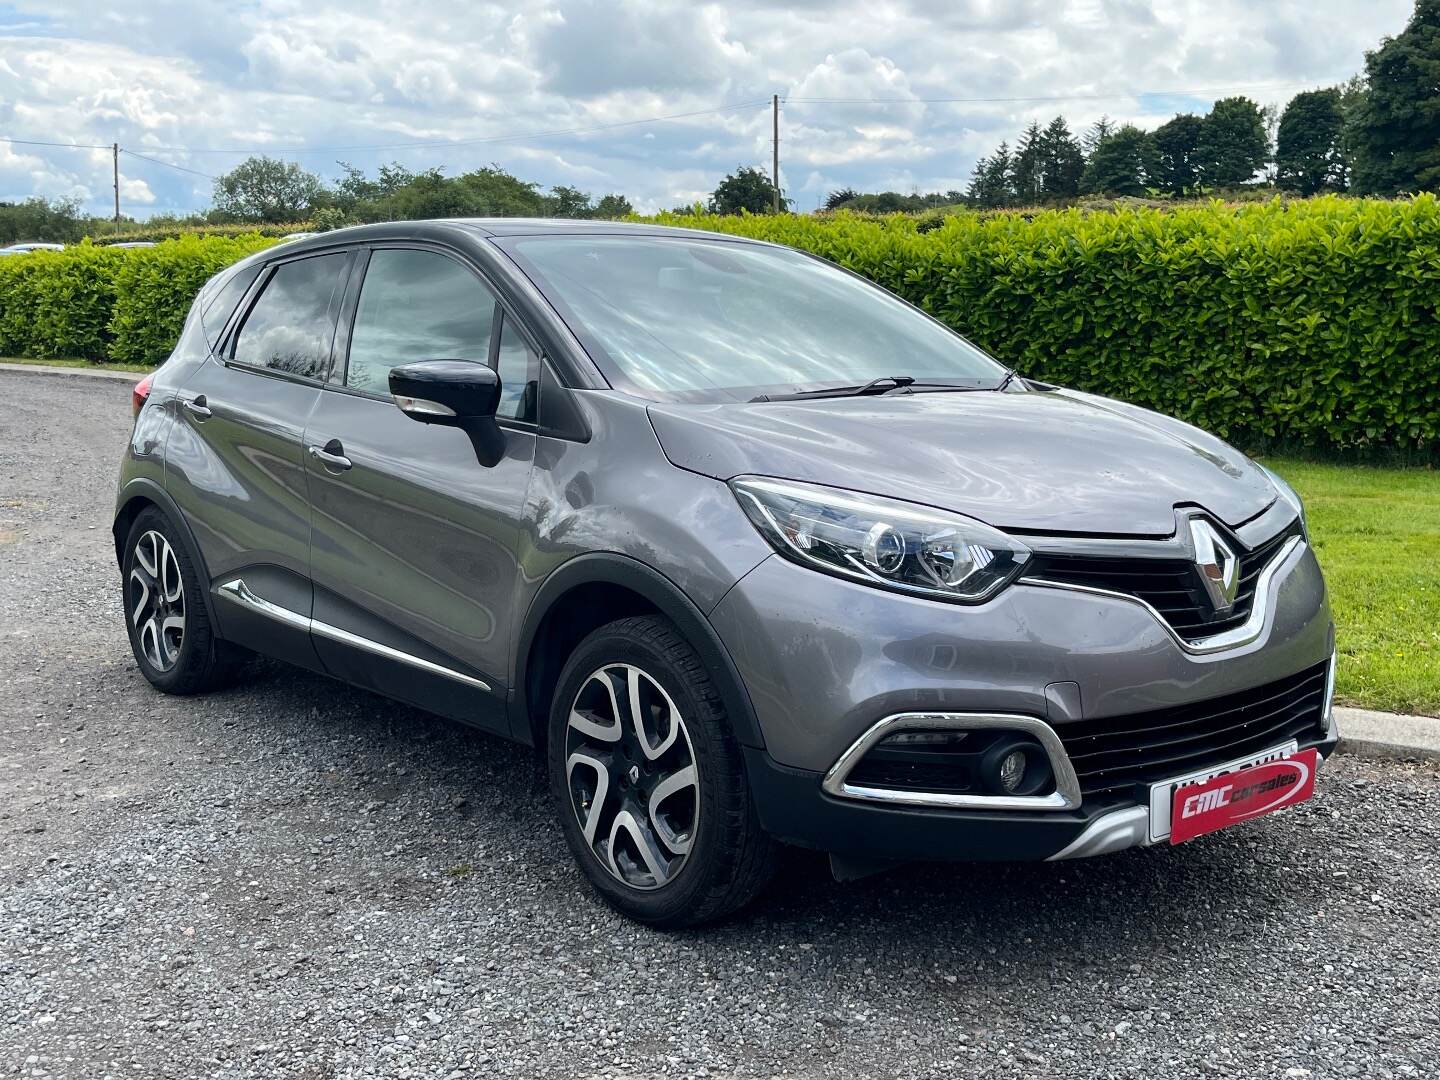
416, 305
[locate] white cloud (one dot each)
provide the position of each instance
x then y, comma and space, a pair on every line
278, 74
135, 191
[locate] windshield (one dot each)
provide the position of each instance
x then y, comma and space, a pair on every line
702, 320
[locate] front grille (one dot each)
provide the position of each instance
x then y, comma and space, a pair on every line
1171, 586
1115, 754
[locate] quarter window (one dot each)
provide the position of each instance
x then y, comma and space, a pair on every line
416, 305
290, 328
519, 371
220, 306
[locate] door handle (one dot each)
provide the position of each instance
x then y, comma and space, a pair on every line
331, 455
197, 407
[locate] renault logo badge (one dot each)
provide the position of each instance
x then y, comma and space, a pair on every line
1218, 566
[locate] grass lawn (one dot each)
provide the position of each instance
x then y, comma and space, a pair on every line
139, 369
1377, 534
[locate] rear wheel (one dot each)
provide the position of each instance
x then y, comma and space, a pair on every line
165, 615
649, 781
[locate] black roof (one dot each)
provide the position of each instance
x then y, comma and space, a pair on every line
401, 230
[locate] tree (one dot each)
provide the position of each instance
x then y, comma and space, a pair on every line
1062, 161
836, 199
1270, 120
611, 207
55, 222
1396, 133
1027, 167
990, 186
568, 202
264, 189
744, 189
1177, 144
355, 189
1097, 133
1232, 146
1120, 163
1309, 155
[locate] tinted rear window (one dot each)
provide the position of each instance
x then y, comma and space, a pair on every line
292, 324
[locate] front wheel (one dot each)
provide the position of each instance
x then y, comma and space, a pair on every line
649, 781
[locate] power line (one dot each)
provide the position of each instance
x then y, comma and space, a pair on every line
438, 144
168, 165
1196, 92
556, 132
62, 145
441, 143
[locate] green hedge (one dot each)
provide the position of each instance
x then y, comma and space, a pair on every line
99, 303
155, 287
141, 231
1310, 323
58, 303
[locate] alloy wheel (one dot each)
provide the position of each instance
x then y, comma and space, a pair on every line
157, 600
631, 771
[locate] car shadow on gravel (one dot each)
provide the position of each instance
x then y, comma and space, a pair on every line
471, 788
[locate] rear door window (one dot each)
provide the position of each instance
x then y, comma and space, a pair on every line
291, 326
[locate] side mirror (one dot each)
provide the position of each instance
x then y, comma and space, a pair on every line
456, 393
451, 392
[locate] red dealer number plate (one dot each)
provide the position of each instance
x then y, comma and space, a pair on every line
1201, 808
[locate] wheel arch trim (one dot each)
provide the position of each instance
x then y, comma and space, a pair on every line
627, 572
143, 489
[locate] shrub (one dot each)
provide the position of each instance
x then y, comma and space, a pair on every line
101, 303
155, 287
56, 304
1309, 323
131, 231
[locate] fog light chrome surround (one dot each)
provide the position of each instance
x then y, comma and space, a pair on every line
1066, 795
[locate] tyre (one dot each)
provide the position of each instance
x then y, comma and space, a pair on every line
649, 781
165, 615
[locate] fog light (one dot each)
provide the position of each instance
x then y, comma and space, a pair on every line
1012, 771
1016, 766
925, 738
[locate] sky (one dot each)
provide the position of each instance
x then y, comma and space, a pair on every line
568, 92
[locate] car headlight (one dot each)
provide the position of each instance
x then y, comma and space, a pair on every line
882, 542
1288, 495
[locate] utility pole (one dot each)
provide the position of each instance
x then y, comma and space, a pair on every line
115, 169
775, 146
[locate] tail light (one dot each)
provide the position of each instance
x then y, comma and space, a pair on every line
139, 394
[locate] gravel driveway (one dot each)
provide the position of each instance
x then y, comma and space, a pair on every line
296, 879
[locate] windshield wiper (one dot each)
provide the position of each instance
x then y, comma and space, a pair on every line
882, 385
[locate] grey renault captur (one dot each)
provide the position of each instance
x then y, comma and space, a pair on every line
754, 552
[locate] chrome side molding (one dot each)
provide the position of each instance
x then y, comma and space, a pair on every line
1243, 634
237, 592
1066, 795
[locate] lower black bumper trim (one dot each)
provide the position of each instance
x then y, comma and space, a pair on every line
795, 809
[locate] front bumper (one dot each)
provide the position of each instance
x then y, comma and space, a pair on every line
794, 807
824, 659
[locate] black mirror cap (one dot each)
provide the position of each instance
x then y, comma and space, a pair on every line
446, 391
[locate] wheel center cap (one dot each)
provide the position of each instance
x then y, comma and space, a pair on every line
634, 774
